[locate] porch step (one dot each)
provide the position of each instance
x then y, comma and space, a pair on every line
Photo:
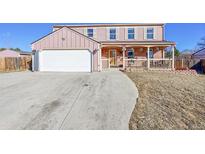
110, 69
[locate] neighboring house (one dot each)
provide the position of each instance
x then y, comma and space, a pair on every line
200, 54
184, 61
93, 47
9, 53
186, 54
25, 54
11, 60
13, 53
199, 59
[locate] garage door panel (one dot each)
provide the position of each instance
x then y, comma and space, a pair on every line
64, 69
65, 60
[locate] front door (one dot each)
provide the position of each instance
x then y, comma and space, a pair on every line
113, 57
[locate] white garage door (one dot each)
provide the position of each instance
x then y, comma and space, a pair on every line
65, 60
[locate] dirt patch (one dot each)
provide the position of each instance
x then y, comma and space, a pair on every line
168, 101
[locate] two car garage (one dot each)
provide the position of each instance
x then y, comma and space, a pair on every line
65, 50
63, 60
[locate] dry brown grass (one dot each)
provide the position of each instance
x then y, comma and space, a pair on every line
168, 101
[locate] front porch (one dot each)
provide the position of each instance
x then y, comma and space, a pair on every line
136, 56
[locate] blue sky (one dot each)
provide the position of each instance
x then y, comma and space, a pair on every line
21, 35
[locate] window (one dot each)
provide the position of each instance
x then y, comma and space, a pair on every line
150, 33
130, 53
90, 32
112, 33
151, 54
131, 33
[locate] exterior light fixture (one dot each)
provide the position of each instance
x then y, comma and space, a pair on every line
141, 49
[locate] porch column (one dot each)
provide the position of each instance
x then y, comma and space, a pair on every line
148, 58
173, 58
163, 54
123, 55
98, 50
100, 57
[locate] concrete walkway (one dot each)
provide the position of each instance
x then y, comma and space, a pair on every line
66, 100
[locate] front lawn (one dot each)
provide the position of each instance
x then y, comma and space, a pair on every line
168, 101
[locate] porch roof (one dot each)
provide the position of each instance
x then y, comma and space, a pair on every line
138, 43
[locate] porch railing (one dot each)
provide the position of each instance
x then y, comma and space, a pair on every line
154, 63
164, 63
139, 63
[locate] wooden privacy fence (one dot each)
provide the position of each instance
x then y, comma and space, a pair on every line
182, 64
196, 64
8, 64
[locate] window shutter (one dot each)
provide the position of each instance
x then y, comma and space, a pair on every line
145, 33
155, 33
95, 33
108, 33
117, 33
136, 33
85, 32
126, 33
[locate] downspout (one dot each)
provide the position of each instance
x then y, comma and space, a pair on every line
39, 60
173, 66
99, 58
163, 32
92, 60
100, 52
32, 59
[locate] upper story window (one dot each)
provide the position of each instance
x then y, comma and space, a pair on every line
112, 33
150, 33
90, 32
131, 33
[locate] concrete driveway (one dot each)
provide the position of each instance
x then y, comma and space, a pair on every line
66, 100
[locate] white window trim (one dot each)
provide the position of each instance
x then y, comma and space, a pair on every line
155, 29
135, 35
87, 31
145, 33
131, 50
128, 33
95, 33
151, 50
108, 33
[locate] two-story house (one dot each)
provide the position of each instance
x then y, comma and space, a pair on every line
94, 47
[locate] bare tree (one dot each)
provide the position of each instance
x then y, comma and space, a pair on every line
201, 44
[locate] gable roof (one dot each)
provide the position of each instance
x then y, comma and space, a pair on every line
203, 50
9, 53
69, 29
9, 50
108, 25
